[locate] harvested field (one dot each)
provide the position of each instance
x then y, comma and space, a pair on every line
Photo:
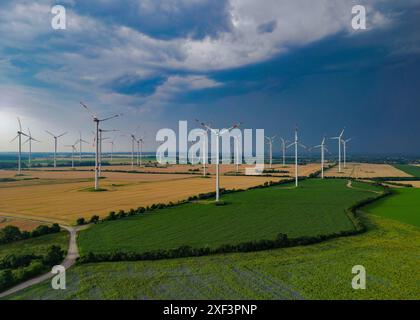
65, 202
22, 224
415, 184
366, 170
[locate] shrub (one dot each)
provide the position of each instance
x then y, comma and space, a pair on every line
80, 221
53, 256
6, 279
94, 219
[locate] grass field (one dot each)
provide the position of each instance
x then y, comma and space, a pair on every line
404, 206
409, 169
37, 245
389, 251
366, 170
316, 207
51, 199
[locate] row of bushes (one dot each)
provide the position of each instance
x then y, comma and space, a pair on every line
12, 233
18, 268
141, 210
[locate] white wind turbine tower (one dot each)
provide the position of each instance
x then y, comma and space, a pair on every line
73, 150
112, 143
30, 139
323, 149
80, 142
270, 143
218, 134
19, 136
296, 143
55, 145
101, 139
283, 149
97, 121
133, 141
140, 150
205, 153
339, 138
345, 150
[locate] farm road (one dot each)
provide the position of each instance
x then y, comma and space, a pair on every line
70, 260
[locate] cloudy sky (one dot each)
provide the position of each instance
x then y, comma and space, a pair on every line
270, 64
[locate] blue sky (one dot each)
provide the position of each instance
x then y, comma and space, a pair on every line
270, 65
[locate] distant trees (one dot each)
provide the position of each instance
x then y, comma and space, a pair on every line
11, 233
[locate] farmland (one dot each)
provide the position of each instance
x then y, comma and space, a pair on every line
389, 251
366, 170
63, 196
404, 206
35, 245
22, 224
247, 216
409, 169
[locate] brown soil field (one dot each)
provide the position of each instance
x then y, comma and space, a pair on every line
366, 170
22, 224
65, 202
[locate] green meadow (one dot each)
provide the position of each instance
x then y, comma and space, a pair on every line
404, 206
317, 207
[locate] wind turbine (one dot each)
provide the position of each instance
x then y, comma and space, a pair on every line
112, 143
19, 136
270, 143
296, 144
80, 142
30, 139
283, 149
55, 145
133, 141
73, 150
339, 138
218, 134
97, 122
140, 149
344, 149
323, 149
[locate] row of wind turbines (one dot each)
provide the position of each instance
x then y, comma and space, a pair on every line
77, 146
296, 144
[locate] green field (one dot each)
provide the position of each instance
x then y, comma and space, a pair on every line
36, 246
389, 251
316, 207
404, 206
412, 170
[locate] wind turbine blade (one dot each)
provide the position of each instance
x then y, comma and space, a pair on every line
50, 133
24, 134
62, 134
335, 138
109, 118
26, 142
87, 108
14, 139
303, 146
20, 124
292, 144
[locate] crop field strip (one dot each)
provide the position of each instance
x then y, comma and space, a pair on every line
248, 216
66, 202
35, 245
389, 251
409, 169
366, 170
404, 206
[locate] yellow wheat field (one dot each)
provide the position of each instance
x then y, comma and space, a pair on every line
366, 170
65, 202
22, 224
